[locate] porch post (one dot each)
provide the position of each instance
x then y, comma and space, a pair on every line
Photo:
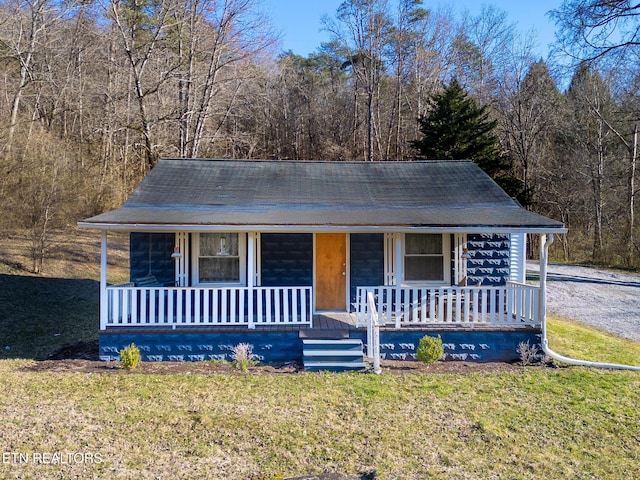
181, 255
103, 281
399, 277
251, 273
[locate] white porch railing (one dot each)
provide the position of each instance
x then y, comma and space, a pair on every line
178, 306
373, 333
513, 304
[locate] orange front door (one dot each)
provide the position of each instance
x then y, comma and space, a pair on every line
331, 271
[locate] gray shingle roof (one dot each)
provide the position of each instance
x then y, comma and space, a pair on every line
429, 194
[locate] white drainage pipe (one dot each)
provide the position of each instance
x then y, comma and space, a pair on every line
544, 257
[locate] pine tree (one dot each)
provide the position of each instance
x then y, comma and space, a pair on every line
457, 128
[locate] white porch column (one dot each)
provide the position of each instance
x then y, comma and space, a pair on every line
104, 312
389, 259
251, 275
460, 262
181, 256
399, 276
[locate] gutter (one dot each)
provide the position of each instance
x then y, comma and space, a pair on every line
306, 228
544, 254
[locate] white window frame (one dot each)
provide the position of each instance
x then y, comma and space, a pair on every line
446, 261
242, 258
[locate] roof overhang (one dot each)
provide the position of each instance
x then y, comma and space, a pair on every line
158, 228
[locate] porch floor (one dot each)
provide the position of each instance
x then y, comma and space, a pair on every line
325, 324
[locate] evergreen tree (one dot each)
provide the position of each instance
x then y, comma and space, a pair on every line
457, 128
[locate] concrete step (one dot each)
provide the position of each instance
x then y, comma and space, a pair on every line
336, 355
340, 344
333, 366
331, 353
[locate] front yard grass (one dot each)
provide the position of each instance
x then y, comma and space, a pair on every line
580, 341
566, 422
546, 423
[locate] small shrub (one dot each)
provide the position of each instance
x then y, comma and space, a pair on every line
430, 349
528, 353
130, 356
243, 356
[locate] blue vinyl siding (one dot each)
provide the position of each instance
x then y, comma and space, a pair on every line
150, 253
286, 259
367, 261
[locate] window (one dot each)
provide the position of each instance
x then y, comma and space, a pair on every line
424, 258
219, 258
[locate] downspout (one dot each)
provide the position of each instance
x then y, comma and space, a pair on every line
544, 256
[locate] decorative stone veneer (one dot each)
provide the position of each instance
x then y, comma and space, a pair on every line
489, 262
192, 347
470, 346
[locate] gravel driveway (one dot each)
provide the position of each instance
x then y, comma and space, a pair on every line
604, 299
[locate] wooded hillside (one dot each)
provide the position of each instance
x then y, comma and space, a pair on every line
93, 92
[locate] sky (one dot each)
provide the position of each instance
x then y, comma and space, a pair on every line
298, 21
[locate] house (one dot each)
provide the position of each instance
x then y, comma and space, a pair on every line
281, 254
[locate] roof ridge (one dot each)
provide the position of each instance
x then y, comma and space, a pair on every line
354, 162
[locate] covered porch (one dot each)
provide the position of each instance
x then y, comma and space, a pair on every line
130, 306
474, 279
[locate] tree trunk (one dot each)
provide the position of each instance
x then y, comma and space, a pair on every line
37, 24
631, 199
598, 202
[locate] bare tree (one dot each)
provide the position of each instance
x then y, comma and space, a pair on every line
23, 23
213, 36
408, 34
630, 143
362, 30
591, 29
143, 26
591, 103
481, 49
528, 114
430, 64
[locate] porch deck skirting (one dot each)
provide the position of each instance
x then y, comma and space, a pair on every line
281, 346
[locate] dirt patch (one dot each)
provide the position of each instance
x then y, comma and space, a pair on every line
337, 476
82, 357
77, 351
213, 368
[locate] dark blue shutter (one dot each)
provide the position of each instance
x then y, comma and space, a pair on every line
366, 261
286, 259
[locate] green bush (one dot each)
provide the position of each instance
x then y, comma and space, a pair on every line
130, 356
430, 349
